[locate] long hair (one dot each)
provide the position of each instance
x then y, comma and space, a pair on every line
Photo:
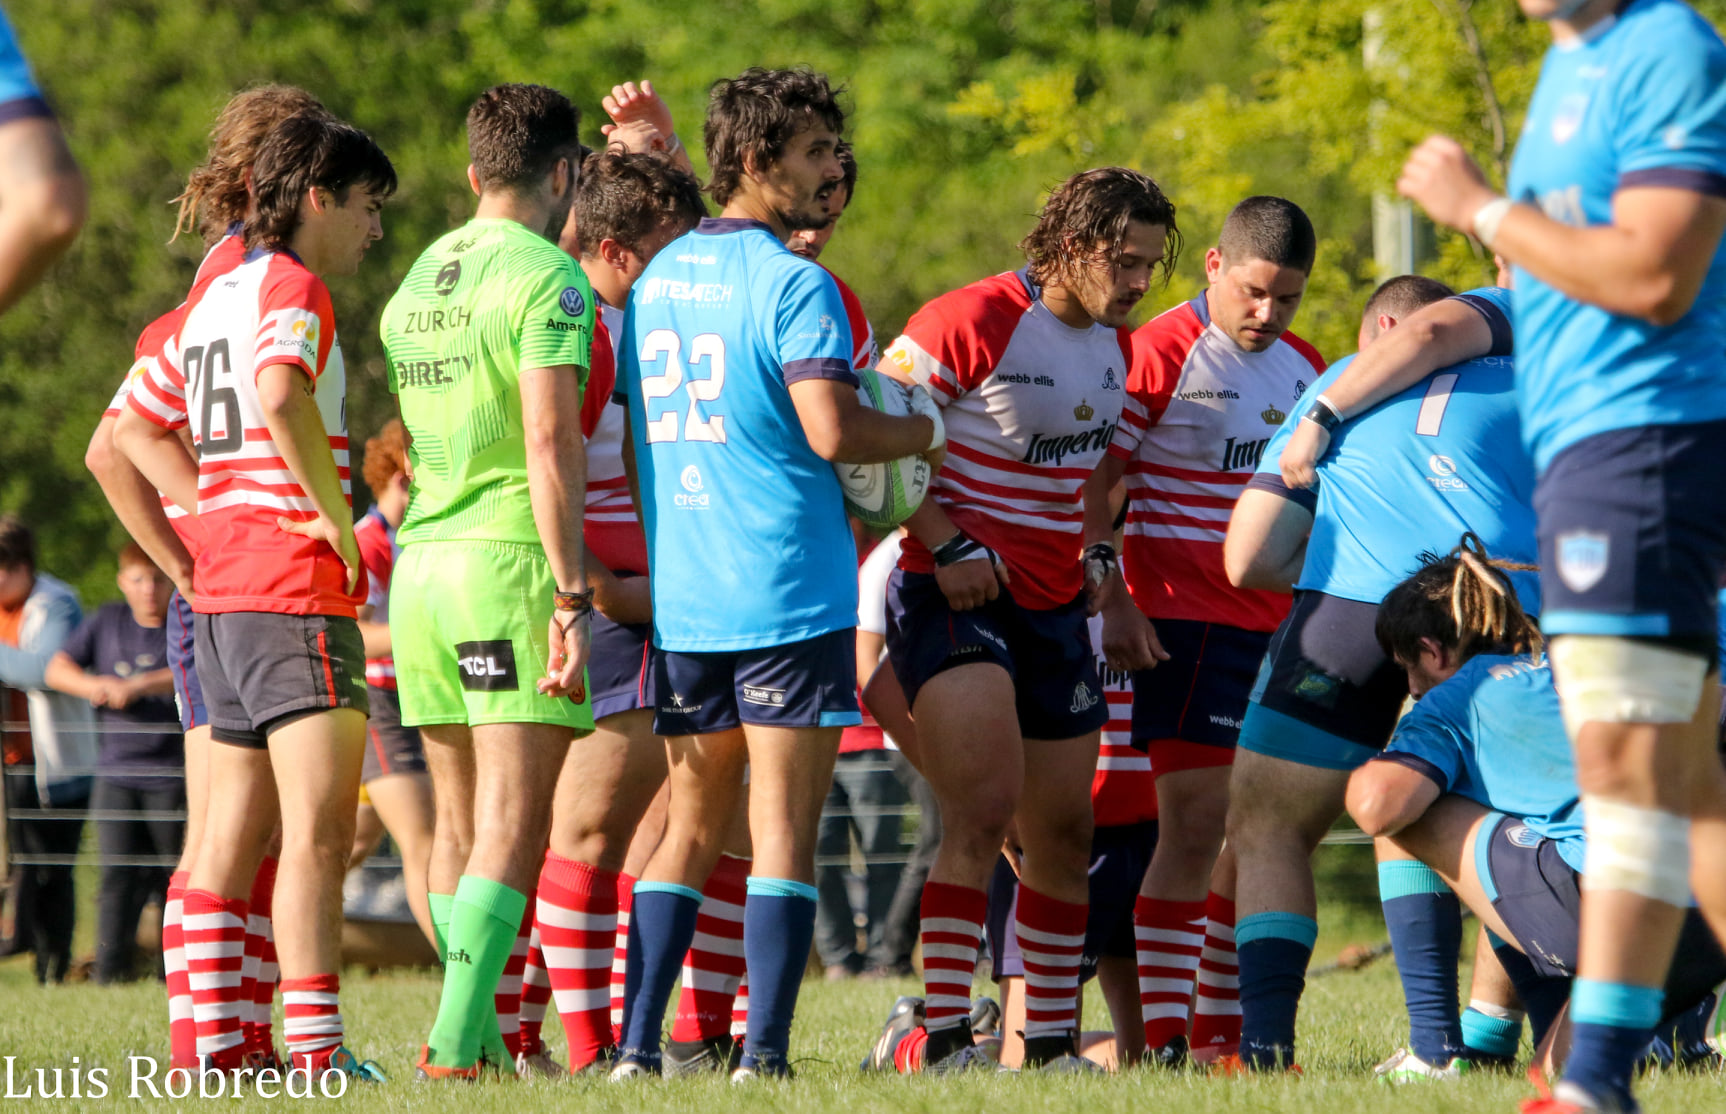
1463, 601
1086, 219
216, 196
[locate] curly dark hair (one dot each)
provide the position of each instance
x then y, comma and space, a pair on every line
1086, 219
215, 196
516, 134
751, 117
625, 197
308, 152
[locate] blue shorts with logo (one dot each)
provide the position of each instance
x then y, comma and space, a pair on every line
1200, 694
812, 683
182, 665
619, 666
1119, 858
1633, 533
1534, 891
1326, 695
1048, 654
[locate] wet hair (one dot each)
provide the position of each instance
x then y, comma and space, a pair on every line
627, 197
215, 197
17, 544
1086, 219
386, 455
1404, 294
309, 152
1269, 228
516, 134
847, 164
1464, 601
753, 116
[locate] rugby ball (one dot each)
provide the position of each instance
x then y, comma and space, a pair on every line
884, 495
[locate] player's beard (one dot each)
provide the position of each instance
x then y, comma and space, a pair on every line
560, 214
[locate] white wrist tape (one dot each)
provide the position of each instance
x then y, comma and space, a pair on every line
1643, 850
923, 405
1488, 217
1605, 679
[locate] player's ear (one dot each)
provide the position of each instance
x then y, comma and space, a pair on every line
1386, 323
319, 199
473, 179
614, 254
1213, 264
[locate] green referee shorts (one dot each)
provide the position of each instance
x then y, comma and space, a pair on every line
468, 623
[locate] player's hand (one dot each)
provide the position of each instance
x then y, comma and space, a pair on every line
630, 102
638, 137
1441, 178
338, 536
1299, 462
972, 583
566, 672
625, 599
1130, 642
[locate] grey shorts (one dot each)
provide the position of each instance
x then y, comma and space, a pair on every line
261, 670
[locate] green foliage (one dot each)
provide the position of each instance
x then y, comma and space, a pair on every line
964, 114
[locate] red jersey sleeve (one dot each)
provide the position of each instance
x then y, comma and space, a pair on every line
151, 342
1160, 348
955, 342
158, 383
1307, 350
296, 321
601, 378
375, 552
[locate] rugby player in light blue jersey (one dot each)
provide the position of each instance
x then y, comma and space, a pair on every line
736, 366
43, 199
1410, 475
1613, 220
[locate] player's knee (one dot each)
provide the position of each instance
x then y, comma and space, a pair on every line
1643, 850
1607, 679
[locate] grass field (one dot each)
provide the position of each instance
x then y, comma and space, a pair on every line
1349, 1021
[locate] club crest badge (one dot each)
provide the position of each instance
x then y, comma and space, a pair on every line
1582, 559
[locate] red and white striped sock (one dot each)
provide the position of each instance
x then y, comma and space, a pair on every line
714, 965
312, 1020
255, 981
1051, 937
1168, 937
620, 954
740, 1010
1217, 1010
215, 942
507, 999
578, 939
535, 995
952, 932
182, 1030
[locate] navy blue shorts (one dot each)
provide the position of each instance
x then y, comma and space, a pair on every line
1633, 533
812, 683
1048, 654
1200, 694
619, 666
1119, 857
1326, 695
391, 748
182, 665
1534, 891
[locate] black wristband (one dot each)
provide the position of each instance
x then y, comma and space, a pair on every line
955, 549
1322, 414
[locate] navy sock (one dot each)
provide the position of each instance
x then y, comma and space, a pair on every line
1612, 1024
778, 928
661, 927
1543, 996
1274, 950
1425, 922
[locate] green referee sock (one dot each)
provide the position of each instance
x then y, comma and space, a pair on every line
484, 919
440, 905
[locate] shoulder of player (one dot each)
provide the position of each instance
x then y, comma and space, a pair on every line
283, 278
1661, 31
1307, 351
981, 316
1168, 337
159, 332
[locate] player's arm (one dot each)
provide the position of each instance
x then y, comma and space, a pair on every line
622, 599
1386, 795
1266, 543
375, 636
137, 505
288, 398
841, 429
1648, 263
43, 202
1435, 336
160, 457
634, 108
557, 490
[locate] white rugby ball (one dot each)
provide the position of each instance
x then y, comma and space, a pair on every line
884, 495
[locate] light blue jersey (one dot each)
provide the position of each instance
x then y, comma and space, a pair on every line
1493, 734
19, 96
746, 532
1640, 102
1415, 473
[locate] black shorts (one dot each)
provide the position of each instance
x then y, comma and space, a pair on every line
390, 747
1633, 533
1534, 891
812, 683
620, 667
261, 670
1048, 654
1119, 857
1200, 694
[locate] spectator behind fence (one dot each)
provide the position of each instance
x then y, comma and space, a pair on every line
117, 660
52, 736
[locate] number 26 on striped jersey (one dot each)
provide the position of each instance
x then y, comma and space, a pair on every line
205, 365
1432, 406
666, 345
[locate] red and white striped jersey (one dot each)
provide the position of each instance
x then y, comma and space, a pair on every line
1199, 413
268, 310
377, 541
864, 351
1030, 406
1124, 790
610, 526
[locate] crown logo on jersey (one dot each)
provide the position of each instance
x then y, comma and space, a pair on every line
1273, 416
1084, 411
